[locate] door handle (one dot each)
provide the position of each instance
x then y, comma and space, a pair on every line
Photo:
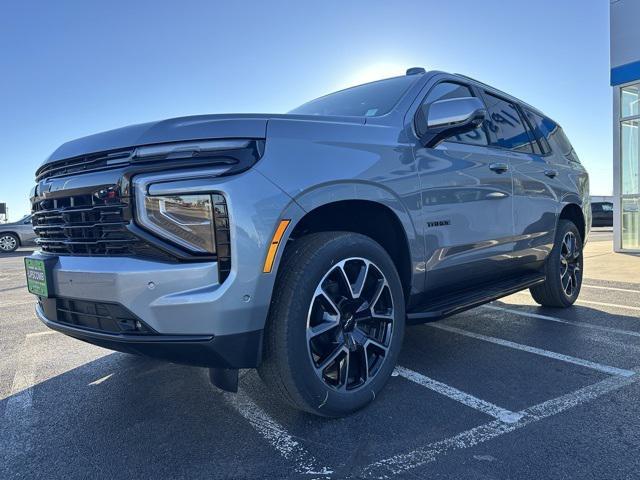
499, 167
550, 173
495, 195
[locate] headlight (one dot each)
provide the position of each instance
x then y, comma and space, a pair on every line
202, 149
178, 205
235, 155
186, 220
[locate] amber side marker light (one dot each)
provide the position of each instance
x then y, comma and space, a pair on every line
275, 242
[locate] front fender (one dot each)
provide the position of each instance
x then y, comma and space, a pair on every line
338, 191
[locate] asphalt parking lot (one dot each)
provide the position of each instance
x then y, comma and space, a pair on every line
508, 390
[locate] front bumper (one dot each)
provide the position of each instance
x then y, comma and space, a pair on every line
172, 299
241, 350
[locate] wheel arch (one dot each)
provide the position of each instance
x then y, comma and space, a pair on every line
574, 213
367, 217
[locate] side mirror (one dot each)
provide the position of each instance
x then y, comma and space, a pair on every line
453, 116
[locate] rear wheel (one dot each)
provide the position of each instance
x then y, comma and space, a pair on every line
563, 269
8, 242
335, 325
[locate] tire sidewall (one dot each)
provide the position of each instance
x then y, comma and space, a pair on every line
17, 244
563, 228
319, 396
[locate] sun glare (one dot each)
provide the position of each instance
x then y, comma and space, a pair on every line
377, 71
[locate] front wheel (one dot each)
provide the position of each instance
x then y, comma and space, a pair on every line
335, 324
563, 269
8, 242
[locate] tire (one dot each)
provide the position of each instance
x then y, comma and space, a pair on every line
8, 242
311, 295
563, 269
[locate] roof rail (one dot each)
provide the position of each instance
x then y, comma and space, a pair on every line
415, 70
475, 80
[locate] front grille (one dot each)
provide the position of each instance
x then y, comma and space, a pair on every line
83, 225
85, 164
98, 316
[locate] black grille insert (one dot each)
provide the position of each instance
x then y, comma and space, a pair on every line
84, 164
83, 225
98, 316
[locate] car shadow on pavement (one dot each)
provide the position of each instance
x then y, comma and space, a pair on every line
122, 416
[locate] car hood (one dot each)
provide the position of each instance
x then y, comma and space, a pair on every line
198, 127
13, 224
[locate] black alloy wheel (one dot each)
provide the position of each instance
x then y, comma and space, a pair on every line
350, 324
570, 264
563, 269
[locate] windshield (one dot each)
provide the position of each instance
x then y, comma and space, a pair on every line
368, 100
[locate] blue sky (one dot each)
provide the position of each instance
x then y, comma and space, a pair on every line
72, 68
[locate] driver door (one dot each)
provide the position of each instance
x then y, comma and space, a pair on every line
467, 202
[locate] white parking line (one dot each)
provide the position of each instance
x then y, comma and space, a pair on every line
538, 351
23, 380
287, 446
41, 334
100, 380
18, 415
562, 320
397, 464
483, 406
612, 305
615, 289
590, 302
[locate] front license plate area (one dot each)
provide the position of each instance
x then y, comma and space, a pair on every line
39, 275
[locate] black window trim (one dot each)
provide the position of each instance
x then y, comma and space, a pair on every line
568, 156
485, 92
524, 109
474, 91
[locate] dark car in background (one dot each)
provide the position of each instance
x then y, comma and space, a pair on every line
602, 214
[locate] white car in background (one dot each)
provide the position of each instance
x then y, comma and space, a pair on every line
16, 234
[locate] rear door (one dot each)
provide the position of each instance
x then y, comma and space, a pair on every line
535, 186
27, 234
466, 195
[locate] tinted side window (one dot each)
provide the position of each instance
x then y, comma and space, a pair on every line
448, 90
607, 207
507, 125
558, 138
539, 130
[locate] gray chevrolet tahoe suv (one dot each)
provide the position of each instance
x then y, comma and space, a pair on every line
302, 244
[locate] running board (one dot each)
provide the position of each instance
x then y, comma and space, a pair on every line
435, 309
